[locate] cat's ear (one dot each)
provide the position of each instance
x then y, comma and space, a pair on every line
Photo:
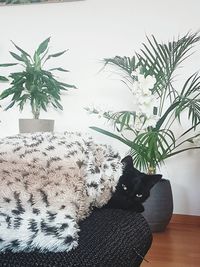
127, 162
151, 180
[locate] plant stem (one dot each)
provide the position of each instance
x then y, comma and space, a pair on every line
151, 169
36, 112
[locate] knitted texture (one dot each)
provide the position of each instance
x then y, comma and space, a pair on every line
108, 238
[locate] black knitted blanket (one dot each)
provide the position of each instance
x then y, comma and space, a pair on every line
108, 238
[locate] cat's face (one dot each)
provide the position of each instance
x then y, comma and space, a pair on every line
133, 188
135, 184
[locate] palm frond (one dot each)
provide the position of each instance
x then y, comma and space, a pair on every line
161, 60
189, 99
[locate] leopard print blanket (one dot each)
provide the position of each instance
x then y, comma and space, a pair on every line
48, 183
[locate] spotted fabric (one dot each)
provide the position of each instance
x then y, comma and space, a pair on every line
49, 182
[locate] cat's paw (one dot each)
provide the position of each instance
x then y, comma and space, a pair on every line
139, 208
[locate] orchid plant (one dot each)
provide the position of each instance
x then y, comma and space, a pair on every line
148, 129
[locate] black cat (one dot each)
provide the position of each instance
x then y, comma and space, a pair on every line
133, 188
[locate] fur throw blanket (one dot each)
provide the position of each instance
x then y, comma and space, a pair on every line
48, 183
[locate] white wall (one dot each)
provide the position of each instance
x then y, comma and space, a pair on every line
92, 30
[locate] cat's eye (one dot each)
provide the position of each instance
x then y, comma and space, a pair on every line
124, 187
139, 195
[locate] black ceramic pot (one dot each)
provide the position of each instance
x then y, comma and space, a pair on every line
159, 206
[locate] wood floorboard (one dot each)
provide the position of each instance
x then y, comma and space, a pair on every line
178, 246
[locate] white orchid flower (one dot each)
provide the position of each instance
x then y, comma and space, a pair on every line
151, 122
146, 108
145, 100
146, 91
146, 83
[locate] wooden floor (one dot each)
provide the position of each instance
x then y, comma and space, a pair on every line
178, 246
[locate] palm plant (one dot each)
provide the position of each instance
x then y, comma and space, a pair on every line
35, 84
152, 72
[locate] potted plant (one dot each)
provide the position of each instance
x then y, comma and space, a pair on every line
148, 129
35, 85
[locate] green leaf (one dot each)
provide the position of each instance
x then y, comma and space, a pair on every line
10, 105
44, 106
17, 56
56, 54
57, 104
67, 85
22, 101
111, 135
181, 151
6, 93
59, 69
8, 64
43, 46
3, 79
21, 50
37, 60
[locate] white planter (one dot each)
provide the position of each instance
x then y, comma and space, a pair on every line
35, 125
